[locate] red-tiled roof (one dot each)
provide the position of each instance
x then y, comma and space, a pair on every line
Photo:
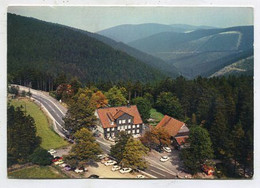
171, 125
119, 113
181, 139
106, 113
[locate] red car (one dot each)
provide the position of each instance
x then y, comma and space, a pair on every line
56, 159
208, 170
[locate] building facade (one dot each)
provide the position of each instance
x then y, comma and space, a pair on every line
112, 120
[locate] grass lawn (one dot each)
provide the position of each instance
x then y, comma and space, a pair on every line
156, 115
36, 172
49, 138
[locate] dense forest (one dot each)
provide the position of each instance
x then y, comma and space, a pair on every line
221, 105
38, 51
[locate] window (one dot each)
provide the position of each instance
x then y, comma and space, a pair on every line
108, 129
133, 126
118, 128
125, 126
112, 129
129, 120
123, 121
129, 132
129, 126
112, 134
137, 131
120, 122
137, 126
133, 131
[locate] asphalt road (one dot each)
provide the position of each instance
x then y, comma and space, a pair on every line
155, 168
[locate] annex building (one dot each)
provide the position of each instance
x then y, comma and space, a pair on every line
178, 130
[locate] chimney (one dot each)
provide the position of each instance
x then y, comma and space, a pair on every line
128, 103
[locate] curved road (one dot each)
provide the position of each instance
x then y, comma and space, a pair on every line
57, 113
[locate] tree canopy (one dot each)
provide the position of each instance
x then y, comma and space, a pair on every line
115, 97
21, 136
85, 149
81, 113
134, 154
199, 150
144, 107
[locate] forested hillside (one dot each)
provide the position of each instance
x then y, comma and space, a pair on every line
168, 69
39, 52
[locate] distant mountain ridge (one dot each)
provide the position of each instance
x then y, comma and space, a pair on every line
130, 32
38, 48
195, 53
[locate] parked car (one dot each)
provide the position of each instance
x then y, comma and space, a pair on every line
59, 162
67, 168
93, 176
83, 168
125, 170
55, 159
207, 169
70, 140
167, 149
78, 170
140, 176
115, 168
101, 156
110, 162
52, 151
104, 160
164, 158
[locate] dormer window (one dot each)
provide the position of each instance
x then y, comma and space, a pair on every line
112, 123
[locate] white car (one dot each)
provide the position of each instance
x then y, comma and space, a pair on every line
52, 151
110, 162
167, 149
125, 170
78, 170
164, 158
115, 168
59, 162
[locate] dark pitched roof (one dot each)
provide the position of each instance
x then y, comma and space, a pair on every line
106, 115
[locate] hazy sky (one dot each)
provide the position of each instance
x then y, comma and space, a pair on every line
98, 18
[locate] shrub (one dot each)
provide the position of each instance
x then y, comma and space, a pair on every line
41, 157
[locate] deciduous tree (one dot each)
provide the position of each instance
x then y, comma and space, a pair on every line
99, 99
115, 97
81, 113
86, 147
134, 154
